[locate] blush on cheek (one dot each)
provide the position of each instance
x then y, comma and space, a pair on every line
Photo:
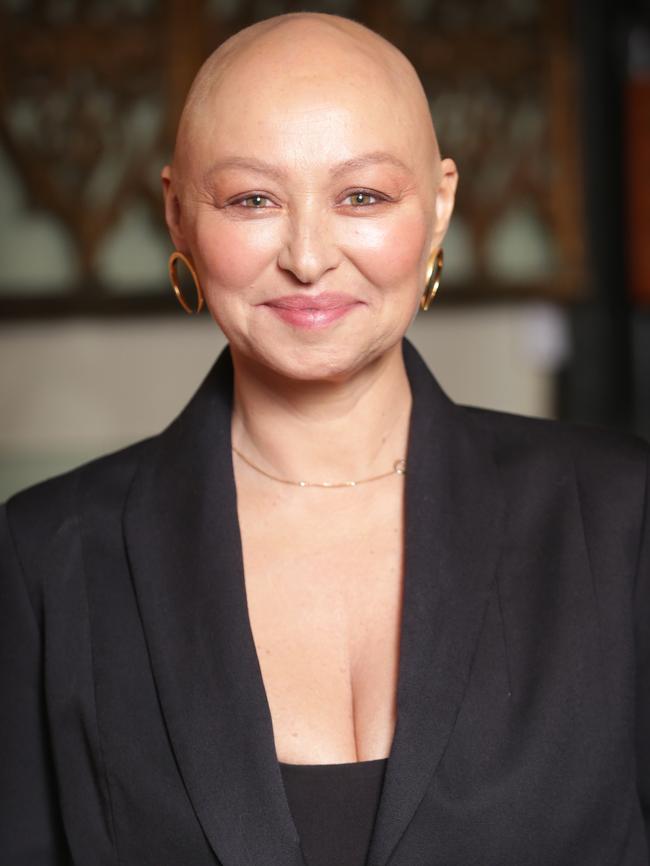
391, 253
233, 254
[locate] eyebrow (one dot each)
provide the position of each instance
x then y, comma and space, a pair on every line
262, 167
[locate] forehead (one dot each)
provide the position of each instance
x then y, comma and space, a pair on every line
325, 123
309, 99
309, 121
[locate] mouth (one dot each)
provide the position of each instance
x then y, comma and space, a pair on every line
303, 311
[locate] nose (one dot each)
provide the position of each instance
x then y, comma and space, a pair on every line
308, 250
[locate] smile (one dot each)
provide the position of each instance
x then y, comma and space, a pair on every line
303, 311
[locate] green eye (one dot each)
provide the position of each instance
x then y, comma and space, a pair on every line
256, 201
362, 199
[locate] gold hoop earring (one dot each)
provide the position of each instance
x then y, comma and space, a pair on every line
173, 276
434, 272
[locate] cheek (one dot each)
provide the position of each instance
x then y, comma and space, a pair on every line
390, 253
231, 255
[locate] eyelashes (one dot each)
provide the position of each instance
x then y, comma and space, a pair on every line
359, 199
365, 193
255, 197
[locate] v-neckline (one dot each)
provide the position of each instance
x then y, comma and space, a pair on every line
258, 640
184, 544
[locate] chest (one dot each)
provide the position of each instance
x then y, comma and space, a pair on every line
323, 577
515, 714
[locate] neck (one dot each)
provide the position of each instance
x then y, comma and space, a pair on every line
324, 430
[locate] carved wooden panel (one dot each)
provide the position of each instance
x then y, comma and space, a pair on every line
90, 93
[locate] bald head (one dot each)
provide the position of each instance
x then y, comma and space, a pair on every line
264, 64
306, 160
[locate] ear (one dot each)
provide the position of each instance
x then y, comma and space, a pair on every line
173, 215
445, 198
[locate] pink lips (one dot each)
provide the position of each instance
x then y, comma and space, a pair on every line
318, 311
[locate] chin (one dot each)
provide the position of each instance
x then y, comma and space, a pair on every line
326, 361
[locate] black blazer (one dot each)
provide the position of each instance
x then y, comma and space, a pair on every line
135, 726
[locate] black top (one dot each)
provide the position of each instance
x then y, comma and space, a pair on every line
334, 808
135, 727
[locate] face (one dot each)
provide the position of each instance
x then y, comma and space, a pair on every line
309, 204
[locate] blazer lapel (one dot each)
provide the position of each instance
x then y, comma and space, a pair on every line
184, 547
453, 514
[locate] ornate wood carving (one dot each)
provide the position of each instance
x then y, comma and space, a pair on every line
90, 94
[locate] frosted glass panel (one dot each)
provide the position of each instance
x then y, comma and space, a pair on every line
37, 253
519, 248
460, 257
134, 254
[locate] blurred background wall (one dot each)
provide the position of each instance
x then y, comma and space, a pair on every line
544, 305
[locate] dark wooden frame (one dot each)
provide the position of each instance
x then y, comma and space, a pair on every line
177, 38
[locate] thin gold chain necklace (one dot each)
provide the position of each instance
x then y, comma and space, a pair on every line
399, 468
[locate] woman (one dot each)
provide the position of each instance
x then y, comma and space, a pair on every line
327, 616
